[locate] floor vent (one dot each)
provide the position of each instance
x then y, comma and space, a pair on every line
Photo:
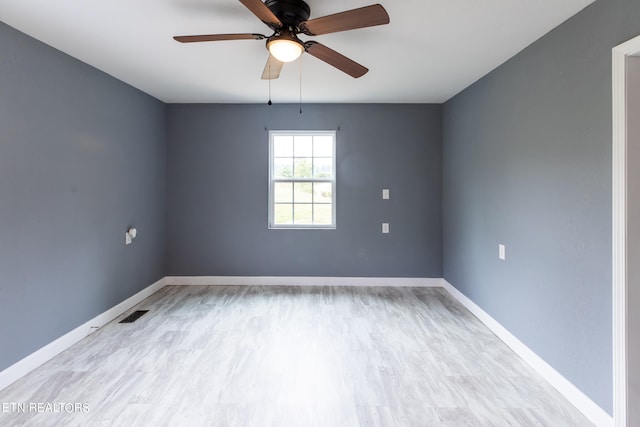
134, 316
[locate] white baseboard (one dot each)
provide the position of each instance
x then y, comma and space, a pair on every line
302, 281
44, 354
581, 401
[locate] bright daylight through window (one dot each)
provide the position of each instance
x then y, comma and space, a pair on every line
302, 184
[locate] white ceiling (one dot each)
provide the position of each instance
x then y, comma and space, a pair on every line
431, 50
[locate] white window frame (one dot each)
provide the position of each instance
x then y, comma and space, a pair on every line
273, 181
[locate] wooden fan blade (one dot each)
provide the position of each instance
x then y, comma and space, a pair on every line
367, 16
336, 59
262, 12
218, 37
272, 68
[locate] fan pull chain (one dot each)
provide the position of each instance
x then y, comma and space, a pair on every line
269, 65
300, 60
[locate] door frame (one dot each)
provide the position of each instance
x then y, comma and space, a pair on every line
619, 227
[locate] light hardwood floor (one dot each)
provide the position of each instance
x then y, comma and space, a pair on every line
292, 356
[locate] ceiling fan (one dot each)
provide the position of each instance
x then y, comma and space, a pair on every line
287, 19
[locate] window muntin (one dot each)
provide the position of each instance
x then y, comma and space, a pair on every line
302, 179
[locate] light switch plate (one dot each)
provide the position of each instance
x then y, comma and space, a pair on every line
502, 252
385, 193
385, 227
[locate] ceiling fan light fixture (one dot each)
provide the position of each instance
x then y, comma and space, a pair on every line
285, 49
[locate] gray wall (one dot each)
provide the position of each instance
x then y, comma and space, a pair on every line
218, 192
527, 163
82, 157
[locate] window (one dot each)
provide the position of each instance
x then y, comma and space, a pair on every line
302, 179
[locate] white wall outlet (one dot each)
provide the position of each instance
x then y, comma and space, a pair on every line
131, 234
502, 252
385, 193
385, 227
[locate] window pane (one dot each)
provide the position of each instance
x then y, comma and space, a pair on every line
283, 146
302, 182
303, 146
283, 192
283, 167
322, 214
322, 192
302, 168
303, 214
283, 213
303, 192
322, 167
323, 146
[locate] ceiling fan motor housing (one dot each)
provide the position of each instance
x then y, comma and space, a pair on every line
290, 12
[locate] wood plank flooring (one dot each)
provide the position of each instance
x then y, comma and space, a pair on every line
290, 356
